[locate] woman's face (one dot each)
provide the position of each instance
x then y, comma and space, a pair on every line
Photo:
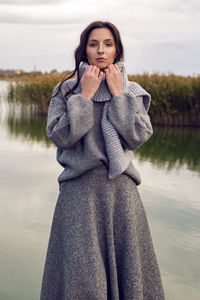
100, 48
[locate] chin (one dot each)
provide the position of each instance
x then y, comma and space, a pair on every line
102, 66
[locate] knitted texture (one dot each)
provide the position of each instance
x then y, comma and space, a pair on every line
102, 131
103, 93
100, 246
119, 158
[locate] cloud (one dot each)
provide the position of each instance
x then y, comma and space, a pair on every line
76, 11
182, 6
37, 20
156, 34
30, 2
179, 57
63, 13
137, 16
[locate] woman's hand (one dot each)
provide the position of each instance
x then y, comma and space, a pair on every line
90, 81
114, 79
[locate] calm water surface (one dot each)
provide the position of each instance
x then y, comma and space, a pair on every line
169, 164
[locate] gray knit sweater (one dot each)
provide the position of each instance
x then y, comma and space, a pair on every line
90, 133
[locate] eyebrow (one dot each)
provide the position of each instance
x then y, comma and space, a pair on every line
106, 40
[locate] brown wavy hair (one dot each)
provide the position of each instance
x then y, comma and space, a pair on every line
80, 52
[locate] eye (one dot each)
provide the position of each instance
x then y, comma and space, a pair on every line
92, 44
109, 44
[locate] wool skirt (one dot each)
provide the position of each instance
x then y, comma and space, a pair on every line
100, 245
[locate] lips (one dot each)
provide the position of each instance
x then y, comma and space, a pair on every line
101, 59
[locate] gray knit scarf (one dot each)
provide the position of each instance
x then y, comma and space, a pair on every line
118, 157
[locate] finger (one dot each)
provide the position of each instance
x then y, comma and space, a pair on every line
96, 70
106, 71
110, 67
116, 67
92, 70
89, 69
100, 76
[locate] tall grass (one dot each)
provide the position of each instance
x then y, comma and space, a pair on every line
33, 92
175, 99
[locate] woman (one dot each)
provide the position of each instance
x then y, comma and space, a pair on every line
100, 246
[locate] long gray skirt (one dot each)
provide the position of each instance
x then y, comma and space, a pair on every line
100, 246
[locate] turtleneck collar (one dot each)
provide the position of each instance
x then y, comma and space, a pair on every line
103, 93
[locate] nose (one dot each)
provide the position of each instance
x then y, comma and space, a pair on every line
100, 49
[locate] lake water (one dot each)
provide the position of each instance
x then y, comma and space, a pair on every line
169, 164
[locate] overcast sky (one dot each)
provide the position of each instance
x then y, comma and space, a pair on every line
158, 35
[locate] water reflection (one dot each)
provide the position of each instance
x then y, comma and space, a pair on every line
29, 190
173, 147
168, 147
30, 127
179, 216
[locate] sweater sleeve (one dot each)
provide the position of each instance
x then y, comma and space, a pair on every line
69, 120
129, 115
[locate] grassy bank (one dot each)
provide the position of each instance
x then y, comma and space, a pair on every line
175, 99
33, 92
